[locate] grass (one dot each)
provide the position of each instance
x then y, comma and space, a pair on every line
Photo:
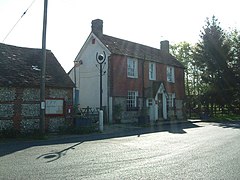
226, 117
22, 137
13, 134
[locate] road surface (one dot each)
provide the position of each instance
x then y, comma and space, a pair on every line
181, 151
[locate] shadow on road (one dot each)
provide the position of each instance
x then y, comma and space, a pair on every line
53, 156
228, 124
14, 146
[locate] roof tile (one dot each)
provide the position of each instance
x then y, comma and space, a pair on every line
21, 66
128, 48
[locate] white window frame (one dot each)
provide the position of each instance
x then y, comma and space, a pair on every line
170, 74
152, 71
150, 102
132, 68
171, 100
132, 100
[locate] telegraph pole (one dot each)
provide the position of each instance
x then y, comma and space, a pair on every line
43, 71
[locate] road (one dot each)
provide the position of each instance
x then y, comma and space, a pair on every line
200, 150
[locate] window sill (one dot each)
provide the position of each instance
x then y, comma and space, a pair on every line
132, 77
132, 108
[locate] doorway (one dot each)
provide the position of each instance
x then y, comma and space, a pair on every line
160, 106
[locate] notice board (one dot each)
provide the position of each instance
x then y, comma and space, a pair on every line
54, 106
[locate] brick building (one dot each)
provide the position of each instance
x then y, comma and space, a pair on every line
20, 72
135, 76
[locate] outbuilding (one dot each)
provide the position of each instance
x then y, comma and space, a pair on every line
20, 74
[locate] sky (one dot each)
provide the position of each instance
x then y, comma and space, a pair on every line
143, 21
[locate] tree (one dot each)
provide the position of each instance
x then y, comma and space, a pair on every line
234, 40
183, 51
213, 57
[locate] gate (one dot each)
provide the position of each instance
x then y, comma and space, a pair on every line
86, 117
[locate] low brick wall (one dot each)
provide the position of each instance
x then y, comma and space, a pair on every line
127, 116
132, 116
179, 109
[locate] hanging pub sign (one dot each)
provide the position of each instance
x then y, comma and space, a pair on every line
54, 106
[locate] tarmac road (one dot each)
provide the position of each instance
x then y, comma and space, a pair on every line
199, 150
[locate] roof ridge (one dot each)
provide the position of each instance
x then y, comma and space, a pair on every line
21, 47
131, 42
132, 49
21, 66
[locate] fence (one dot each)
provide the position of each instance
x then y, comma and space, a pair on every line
196, 109
88, 116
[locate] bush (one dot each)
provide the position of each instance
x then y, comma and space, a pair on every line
9, 133
77, 130
227, 117
13, 133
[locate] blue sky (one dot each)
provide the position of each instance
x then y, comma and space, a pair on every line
142, 21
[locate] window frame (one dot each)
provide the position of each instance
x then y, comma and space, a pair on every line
132, 67
152, 71
150, 102
170, 74
132, 100
171, 100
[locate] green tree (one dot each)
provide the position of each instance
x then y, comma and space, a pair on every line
234, 40
183, 51
213, 56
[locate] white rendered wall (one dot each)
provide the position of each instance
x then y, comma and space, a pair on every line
88, 75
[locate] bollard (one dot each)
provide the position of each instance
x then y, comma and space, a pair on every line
101, 121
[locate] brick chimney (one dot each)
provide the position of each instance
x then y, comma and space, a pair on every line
97, 27
164, 46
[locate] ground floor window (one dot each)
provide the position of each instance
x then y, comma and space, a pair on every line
171, 100
150, 102
132, 100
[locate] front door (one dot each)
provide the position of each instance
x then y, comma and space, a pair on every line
160, 106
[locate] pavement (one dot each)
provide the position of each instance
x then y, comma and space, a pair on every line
116, 130
125, 127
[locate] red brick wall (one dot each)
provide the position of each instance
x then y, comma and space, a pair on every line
178, 86
120, 83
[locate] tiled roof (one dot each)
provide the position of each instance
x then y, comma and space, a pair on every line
22, 67
128, 48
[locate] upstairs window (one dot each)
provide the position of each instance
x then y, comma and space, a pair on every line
170, 74
132, 68
152, 71
132, 100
